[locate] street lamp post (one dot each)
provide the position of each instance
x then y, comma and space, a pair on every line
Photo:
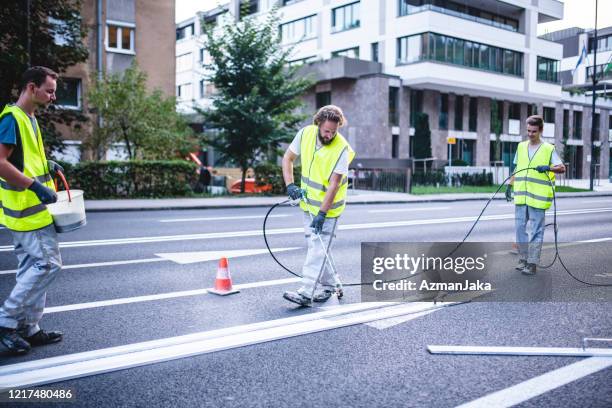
592, 164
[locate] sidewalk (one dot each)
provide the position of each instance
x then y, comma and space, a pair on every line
354, 197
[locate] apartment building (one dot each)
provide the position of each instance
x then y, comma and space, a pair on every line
459, 62
119, 32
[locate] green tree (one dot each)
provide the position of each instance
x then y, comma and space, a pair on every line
52, 34
147, 124
422, 136
257, 93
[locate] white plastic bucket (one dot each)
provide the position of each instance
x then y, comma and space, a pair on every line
68, 215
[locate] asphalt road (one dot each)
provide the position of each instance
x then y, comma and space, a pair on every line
134, 277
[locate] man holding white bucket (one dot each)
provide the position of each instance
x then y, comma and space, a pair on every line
26, 187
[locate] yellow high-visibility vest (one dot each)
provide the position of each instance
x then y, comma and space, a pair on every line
530, 186
22, 209
317, 167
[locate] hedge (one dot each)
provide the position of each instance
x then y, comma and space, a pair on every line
132, 179
433, 178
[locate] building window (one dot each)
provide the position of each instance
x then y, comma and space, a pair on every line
202, 88
184, 33
345, 17
565, 123
532, 109
577, 125
248, 7
120, 37
302, 61
393, 106
394, 146
603, 44
416, 105
464, 11
451, 50
458, 125
375, 52
349, 52
443, 111
68, 93
184, 62
514, 111
597, 126
473, 115
183, 92
549, 115
323, 99
604, 72
548, 70
299, 30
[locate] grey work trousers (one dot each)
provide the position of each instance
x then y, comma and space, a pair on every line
530, 225
316, 262
39, 263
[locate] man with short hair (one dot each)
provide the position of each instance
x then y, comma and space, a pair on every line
325, 156
533, 192
26, 187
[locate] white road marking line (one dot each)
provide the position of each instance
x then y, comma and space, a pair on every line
393, 210
394, 321
78, 365
280, 231
600, 201
241, 217
521, 351
161, 296
541, 384
177, 257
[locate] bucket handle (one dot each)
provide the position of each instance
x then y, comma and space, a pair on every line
66, 186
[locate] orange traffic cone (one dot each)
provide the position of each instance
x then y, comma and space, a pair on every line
223, 282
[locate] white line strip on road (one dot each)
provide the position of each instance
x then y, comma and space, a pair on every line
161, 296
521, 351
394, 321
98, 264
63, 368
257, 232
539, 385
600, 201
394, 210
241, 217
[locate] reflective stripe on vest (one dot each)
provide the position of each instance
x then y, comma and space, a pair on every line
531, 187
21, 208
317, 167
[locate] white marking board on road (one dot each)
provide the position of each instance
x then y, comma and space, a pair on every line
203, 256
522, 351
280, 231
238, 217
394, 321
78, 365
394, 210
541, 384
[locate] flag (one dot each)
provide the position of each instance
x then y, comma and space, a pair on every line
608, 66
583, 56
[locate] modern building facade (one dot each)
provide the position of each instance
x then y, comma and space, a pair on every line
119, 32
476, 68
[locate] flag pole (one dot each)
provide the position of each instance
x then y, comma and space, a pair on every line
592, 164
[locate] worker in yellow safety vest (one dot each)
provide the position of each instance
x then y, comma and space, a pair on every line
325, 157
26, 187
533, 192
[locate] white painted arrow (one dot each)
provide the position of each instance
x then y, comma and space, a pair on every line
203, 256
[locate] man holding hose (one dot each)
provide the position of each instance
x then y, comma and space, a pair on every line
26, 187
533, 192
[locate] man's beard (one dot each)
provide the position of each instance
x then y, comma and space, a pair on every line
323, 141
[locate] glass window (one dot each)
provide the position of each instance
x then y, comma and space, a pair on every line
68, 93
484, 57
113, 38
416, 104
515, 111
458, 53
549, 115
345, 17
458, 112
473, 122
467, 57
597, 126
184, 62
375, 52
349, 52
393, 106
565, 123
298, 30
547, 69
443, 111
120, 38
440, 48
323, 99
394, 146
577, 125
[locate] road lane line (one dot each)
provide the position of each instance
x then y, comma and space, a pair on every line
241, 217
394, 321
393, 210
98, 264
539, 385
282, 231
78, 365
161, 296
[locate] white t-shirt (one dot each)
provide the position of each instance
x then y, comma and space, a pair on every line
341, 166
555, 160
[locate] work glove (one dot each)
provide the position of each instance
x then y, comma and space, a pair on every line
508, 192
294, 192
317, 222
543, 169
44, 193
54, 167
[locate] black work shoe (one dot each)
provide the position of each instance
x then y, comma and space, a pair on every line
529, 269
521, 265
323, 296
41, 337
297, 298
13, 341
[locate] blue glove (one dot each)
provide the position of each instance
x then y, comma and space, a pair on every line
54, 167
294, 192
543, 169
317, 222
44, 193
508, 192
